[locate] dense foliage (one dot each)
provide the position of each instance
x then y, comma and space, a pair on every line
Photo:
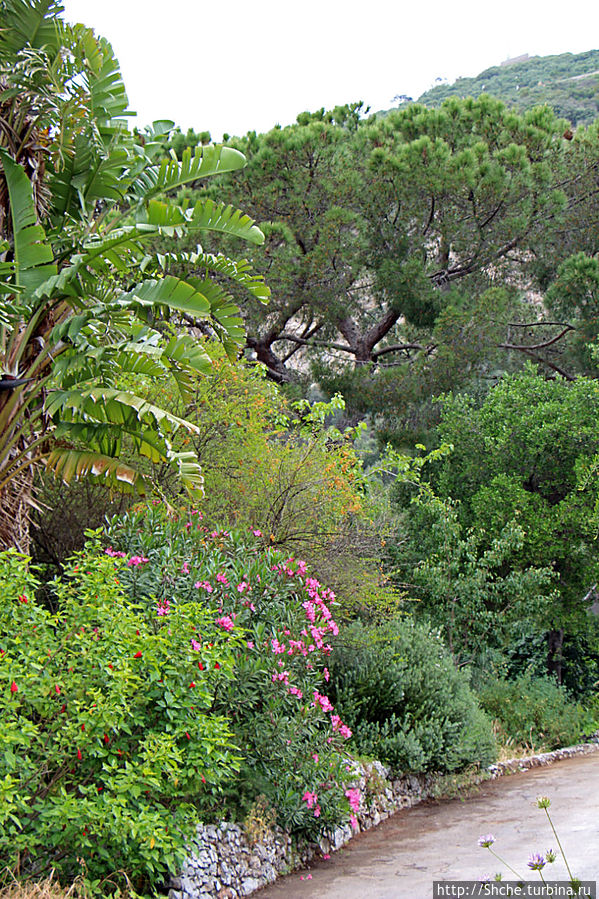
535, 711
110, 745
276, 700
406, 702
434, 280
82, 300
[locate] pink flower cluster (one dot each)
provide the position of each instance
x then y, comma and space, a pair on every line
339, 726
164, 607
354, 797
115, 553
203, 585
226, 622
323, 701
311, 800
134, 561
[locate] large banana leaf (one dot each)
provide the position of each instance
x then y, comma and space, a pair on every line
172, 174
29, 23
170, 292
70, 464
108, 101
109, 404
33, 256
206, 215
239, 271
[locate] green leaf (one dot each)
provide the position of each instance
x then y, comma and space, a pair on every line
170, 292
71, 464
172, 174
33, 256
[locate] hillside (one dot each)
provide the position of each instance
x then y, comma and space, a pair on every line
569, 83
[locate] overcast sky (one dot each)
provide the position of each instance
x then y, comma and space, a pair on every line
232, 66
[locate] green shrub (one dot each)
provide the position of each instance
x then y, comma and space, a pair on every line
109, 748
407, 704
276, 698
535, 711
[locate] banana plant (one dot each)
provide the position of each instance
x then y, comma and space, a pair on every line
84, 304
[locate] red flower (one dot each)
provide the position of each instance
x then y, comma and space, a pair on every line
106, 738
216, 665
200, 666
79, 756
187, 735
14, 688
137, 655
83, 727
203, 779
57, 689
192, 684
63, 708
23, 598
110, 665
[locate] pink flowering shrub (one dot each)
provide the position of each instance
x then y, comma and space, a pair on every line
292, 737
110, 747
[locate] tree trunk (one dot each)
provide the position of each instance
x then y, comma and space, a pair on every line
15, 506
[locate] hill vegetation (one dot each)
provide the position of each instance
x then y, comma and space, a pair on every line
567, 82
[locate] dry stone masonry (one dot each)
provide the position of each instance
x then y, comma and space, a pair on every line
223, 863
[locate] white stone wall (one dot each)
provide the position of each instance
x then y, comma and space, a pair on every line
224, 864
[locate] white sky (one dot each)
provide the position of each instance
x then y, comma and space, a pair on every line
235, 66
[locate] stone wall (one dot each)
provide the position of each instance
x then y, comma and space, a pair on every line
223, 863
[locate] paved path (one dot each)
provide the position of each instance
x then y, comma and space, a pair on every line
401, 857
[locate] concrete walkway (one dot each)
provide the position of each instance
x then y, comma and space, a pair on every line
401, 857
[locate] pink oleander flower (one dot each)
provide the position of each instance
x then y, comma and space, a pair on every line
226, 622
195, 645
256, 532
114, 553
250, 644
185, 568
354, 796
345, 732
243, 587
323, 701
310, 799
315, 757
164, 608
134, 561
354, 822
203, 585
222, 579
326, 674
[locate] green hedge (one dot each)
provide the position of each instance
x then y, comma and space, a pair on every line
407, 704
535, 711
